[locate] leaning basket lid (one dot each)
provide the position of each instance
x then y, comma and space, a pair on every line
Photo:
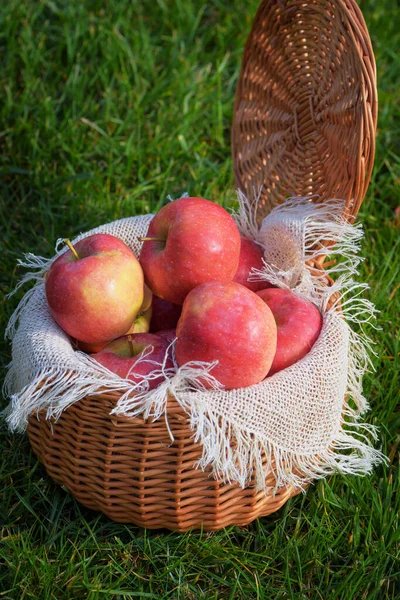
306, 104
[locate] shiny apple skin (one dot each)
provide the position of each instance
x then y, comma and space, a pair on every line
141, 324
200, 242
251, 256
227, 322
95, 299
298, 322
122, 357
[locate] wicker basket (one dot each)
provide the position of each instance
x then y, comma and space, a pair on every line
304, 123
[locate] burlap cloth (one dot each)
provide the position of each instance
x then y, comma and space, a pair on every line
306, 418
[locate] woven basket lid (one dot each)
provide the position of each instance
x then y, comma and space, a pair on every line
306, 104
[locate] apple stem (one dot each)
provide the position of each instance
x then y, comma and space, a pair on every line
70, 246
150, 239
130, 342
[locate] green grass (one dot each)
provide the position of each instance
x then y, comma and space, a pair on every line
106, 108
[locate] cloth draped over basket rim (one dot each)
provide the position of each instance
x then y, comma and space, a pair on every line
302, 424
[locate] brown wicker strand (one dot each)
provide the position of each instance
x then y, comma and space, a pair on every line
128, 469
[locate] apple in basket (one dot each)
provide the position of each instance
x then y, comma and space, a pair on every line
251, 256
95, 289
190, 241
227, 322
141, 324
298, 324
142, 320
168, 334
135, 356
165, 315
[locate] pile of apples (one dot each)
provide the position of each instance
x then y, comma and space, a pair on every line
190, 284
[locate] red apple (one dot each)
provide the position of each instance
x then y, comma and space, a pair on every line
141, 324
190, 241
123, 357
251, 256
298, 322
168, 334
95, 289
229, 323
165, 314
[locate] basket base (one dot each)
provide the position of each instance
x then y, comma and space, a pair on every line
128, 469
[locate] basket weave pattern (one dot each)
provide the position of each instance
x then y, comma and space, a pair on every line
304, 123
306, 104
128, 469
